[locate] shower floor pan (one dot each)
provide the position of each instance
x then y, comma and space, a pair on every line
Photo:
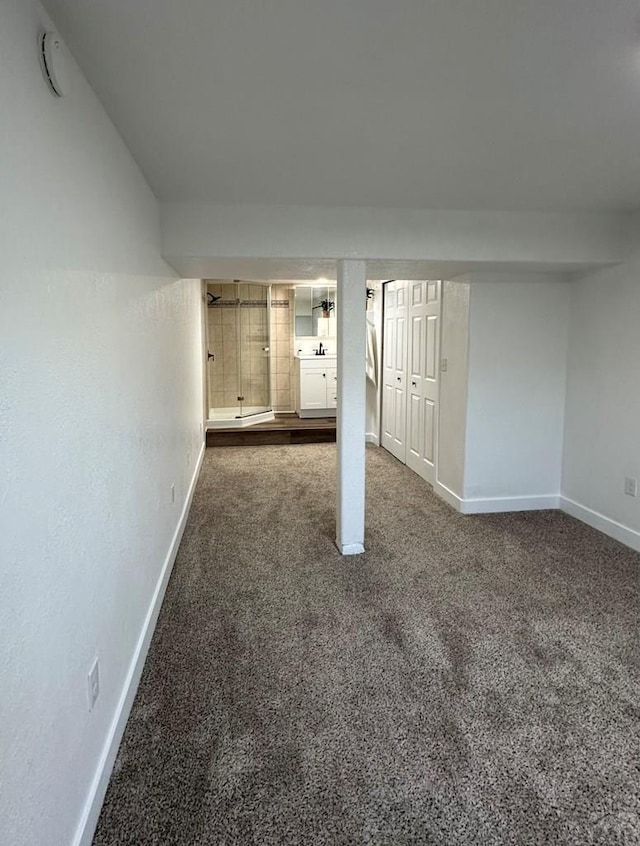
227, 418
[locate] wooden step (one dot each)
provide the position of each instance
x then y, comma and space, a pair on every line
284, 430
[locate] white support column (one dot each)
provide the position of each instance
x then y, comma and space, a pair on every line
351, 308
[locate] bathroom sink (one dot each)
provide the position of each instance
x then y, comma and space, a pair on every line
313, 356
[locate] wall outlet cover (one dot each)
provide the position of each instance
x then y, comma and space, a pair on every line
631, 486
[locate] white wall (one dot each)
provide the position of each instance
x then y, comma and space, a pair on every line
602, 430
517, 377
454, 346
100, 412
194, 232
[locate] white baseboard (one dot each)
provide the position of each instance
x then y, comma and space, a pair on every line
494, 505
89, 820
372, 438
604, 524
448, 495
350, 548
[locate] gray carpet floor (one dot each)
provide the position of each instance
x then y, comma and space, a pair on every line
468, 680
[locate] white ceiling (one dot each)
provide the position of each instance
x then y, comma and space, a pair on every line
458, 104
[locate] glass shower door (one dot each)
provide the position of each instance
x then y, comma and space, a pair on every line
222, 350
253, 349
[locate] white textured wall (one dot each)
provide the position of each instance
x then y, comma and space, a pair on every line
454, 346
192, 231
100, 411
602, 430
517, 376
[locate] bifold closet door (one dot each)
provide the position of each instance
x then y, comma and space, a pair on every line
423, 376
394, 377
416, 375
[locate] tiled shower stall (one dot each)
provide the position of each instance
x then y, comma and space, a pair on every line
250, 348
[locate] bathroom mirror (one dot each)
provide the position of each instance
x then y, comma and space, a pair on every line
315, 311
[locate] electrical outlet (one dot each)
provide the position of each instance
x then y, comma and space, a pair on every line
188, 458
93, 683
173, 493
631, 486
443, 365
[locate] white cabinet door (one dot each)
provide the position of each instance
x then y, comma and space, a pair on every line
332, 387
313, 388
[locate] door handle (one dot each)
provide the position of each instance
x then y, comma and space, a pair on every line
210, 356
413, 384
399, 378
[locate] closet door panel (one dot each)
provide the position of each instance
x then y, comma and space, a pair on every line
428, 444
414, 432
415, 362
389, 342
431, 348
399, 424
416, 347
431, 386
388, 366
400, 344
401, 295
417, 294
388, 416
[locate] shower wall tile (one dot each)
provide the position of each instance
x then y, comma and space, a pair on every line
282, 316
283, 400
282, 382
281, 348
281, 365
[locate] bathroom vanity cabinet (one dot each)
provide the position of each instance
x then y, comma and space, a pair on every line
316, 386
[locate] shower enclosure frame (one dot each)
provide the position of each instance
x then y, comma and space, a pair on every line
246, 350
